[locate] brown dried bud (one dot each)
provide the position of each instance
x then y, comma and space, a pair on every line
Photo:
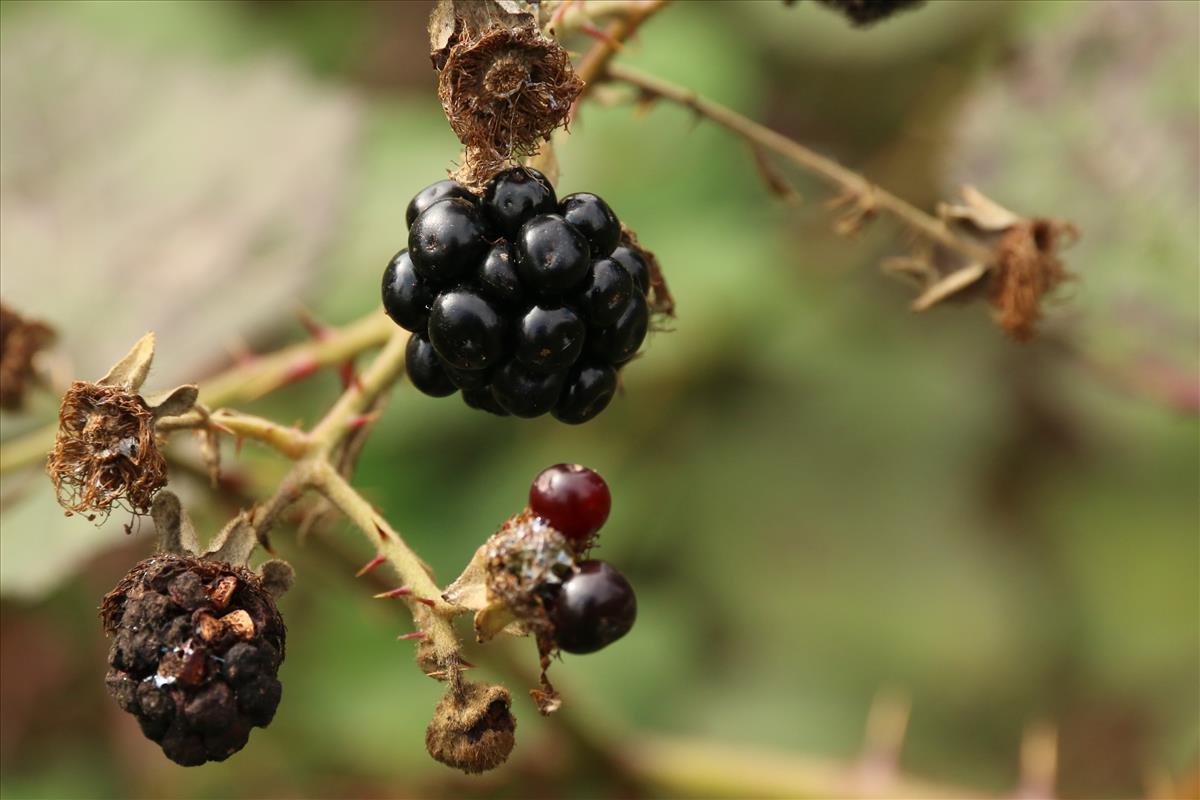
504, 91
20, 341
1027, 267
105, 453
473, 728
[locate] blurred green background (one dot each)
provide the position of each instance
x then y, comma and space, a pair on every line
818, 496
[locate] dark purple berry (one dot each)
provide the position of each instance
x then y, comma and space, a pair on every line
447, 240
635, 265
575, 500
525, 393
482, 400
589, 389
552, 256
497, 276
594, 608
514, 196
467, 330
594, 219
406, 295
425, 370
617, 343
606, 292
441, 190
549, 339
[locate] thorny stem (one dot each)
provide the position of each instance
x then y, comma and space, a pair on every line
868, 196
592, 67
257, 376
387, 367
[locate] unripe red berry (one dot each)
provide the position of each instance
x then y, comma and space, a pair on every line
573, 499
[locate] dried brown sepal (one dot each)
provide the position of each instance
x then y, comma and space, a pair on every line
523, 558
20, 340
504, 91
1027, 267
661, 301
105, 454
473, 728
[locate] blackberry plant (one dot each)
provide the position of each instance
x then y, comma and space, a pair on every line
525, 303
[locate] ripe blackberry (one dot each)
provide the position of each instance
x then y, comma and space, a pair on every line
447, 240
468, 330
575, 500
592, 609
527, 305
549, 339
552, 255
515, 196
425, 370
406, 295
525, 393
619, 342
442, 190
606, 292
594, 219
195, 654
589, 388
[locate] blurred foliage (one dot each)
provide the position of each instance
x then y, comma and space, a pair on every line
816, 494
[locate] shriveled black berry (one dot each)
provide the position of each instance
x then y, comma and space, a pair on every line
188, 636
525, 393
552, 256
617, 343
468, 330
467, 378
447, 240
441, 190
635, 265
483, 400
606, 292
593, 608
516, 195
406, 295
549, 339
497, 276
594, 219
589, 389
425, 370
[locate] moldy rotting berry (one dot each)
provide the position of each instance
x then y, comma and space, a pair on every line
528, 304
195, 654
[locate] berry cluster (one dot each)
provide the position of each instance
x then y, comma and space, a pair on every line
196, 650
537, 565
527, 304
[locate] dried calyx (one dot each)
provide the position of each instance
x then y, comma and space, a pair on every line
106, 452
20, 341
197, 640
503, 85
1023, 269
473, 728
